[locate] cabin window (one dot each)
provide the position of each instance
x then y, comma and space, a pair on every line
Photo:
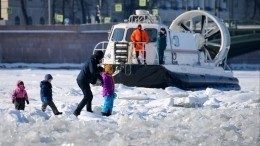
17, 20
118, 34
128, 34
175, 40
152, 33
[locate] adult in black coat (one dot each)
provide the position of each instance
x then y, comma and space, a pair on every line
89, 74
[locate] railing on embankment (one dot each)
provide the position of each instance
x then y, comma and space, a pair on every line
74, 43
244, 44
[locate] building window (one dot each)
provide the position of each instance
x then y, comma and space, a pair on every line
17, 20
236, 4
208, 6
30, 21
175, 4
42, 21
196, 4
163, 5
78, 21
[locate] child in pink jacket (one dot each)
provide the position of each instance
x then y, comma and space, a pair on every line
19, 96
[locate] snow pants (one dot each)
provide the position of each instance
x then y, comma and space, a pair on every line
52, 105
19, 104
108, 105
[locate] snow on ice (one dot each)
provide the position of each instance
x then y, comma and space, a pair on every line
141, 116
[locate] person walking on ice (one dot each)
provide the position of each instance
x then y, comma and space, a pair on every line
19, 96
46, 95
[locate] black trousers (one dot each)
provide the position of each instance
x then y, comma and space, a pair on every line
161, 54
87, 99
137, 55
19, 104
52, 105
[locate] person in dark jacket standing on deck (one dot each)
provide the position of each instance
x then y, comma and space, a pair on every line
161, 44
89, 74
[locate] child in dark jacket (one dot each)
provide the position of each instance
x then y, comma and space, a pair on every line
108, 91
46, 95
19, 96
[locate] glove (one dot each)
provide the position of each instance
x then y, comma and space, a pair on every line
115, 95
94, 80
100, 69
44, 100
27, 101
13, 101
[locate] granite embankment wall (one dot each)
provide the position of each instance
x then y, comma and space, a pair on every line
50, 44
71, 44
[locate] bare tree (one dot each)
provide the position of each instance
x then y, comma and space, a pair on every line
53, 11
25, 16
216, 8
0, 11
63, 11
256, 4
73, 13
83, 11
152, 4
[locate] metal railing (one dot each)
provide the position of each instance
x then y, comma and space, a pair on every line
131, 58
150, 19
143, 51
102, 48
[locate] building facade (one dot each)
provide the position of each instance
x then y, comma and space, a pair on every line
44, 12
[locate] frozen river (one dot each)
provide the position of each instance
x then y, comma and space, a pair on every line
141, 116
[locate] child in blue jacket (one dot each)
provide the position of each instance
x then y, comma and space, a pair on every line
46, 95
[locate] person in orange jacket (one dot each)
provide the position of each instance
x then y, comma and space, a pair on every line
137, 36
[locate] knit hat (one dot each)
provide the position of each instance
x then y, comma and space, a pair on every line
99, 55
19, 82
108, 68
163, 29
48, 77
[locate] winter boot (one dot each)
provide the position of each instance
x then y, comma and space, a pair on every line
76, 113
108, 112
58, 113
103, 114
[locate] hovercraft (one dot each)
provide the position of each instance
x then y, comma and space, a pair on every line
192, 59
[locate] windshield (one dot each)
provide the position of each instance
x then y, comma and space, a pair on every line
118, 34
152, 33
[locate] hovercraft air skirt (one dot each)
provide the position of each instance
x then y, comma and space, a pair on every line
157, 76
